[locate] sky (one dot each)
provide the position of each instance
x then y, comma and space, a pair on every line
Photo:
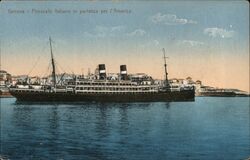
206, 40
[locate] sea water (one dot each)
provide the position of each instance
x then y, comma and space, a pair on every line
209, 128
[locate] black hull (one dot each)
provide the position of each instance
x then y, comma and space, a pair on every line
217, 94
187, 95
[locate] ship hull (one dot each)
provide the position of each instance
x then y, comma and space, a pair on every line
217, 94
186, 95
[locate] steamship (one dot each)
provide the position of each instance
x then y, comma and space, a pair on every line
103, 88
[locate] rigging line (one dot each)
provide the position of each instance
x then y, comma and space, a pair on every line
72, 72
34, 65
54, 57
63, 69
55, 60
39, 58
47, 71
58, 67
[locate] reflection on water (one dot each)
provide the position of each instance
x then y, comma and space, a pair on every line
209, 128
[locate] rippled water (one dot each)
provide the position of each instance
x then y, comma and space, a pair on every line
209, 128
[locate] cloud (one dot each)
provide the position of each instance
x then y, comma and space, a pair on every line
170, 19
117, 28
150, 44
88, 34
156, 43
103, 31
219, 32
192, 43
137, 32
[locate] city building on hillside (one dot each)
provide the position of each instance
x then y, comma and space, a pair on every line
5, 78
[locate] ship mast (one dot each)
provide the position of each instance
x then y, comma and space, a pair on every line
53, 65
165, 66
0, 55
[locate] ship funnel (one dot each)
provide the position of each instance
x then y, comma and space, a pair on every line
123, 71
102, 71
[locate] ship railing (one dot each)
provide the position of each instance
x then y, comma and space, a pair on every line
117, 86
26, 90
175, 89
60, 90
187, 88
108, 91
181, 89
107, 83
37, 90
